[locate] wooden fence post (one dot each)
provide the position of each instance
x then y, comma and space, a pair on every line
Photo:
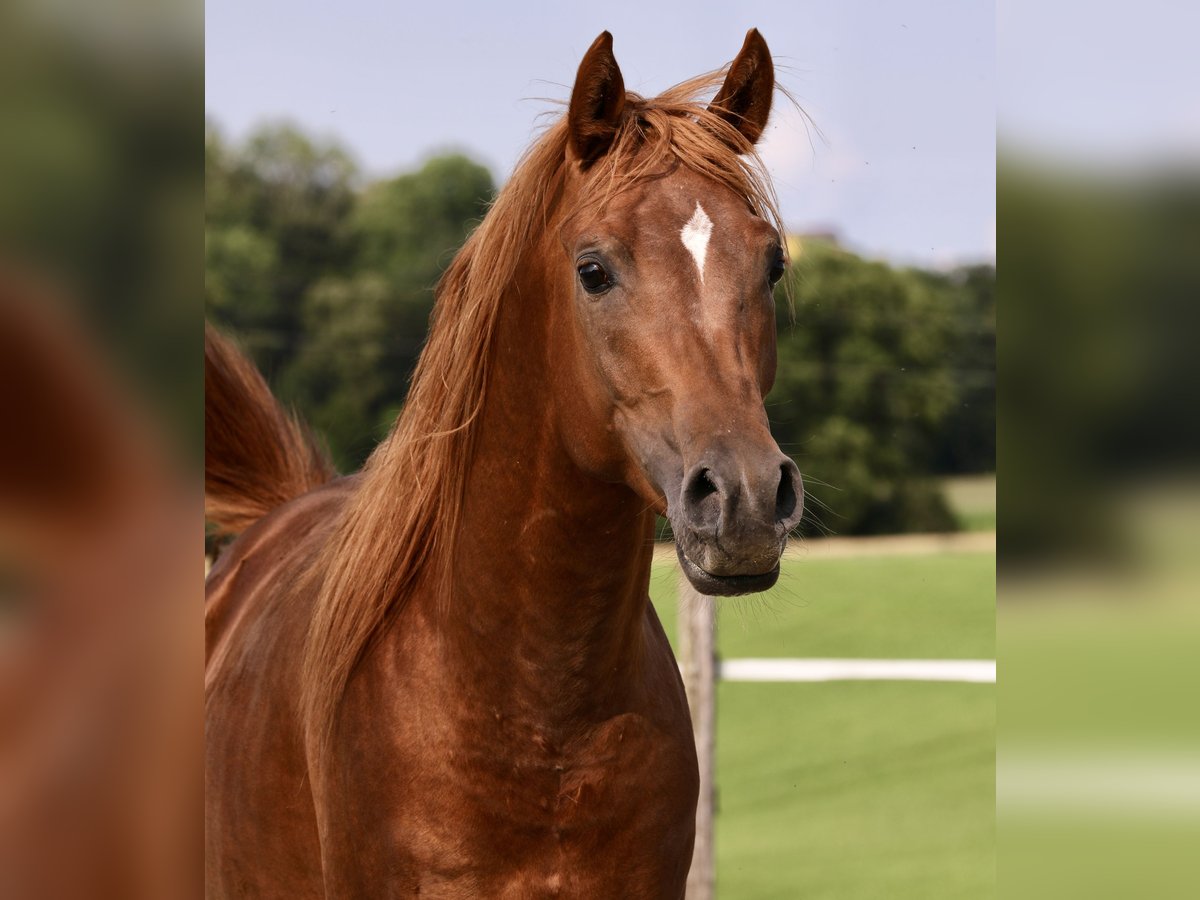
698, 662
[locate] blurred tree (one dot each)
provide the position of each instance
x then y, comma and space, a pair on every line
966, 443
864, 388
328, 285
1102, 278
277, 211
340, 377
100, 152
363, 331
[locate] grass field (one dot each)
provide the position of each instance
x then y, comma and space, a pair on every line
863, 789
972, 499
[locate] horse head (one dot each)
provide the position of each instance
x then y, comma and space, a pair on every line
667, 260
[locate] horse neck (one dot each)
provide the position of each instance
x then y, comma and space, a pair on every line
551, 568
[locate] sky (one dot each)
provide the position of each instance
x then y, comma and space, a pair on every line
901, 163
1108, 85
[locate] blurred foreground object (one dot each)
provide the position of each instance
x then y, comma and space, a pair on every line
1100, 378
100, 653
100, 322
1098, 776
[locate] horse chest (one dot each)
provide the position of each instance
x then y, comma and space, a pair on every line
623, 771
498, 809
611, 815
466, 786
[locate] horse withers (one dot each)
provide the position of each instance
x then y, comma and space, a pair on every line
442, 676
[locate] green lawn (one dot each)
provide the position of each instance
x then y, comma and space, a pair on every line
857, 790
897, 607
972, 499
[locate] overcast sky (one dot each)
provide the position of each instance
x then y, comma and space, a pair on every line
903, 93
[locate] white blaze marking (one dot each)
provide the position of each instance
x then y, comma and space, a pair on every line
695, 236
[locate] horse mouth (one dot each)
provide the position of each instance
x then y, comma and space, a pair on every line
726, 585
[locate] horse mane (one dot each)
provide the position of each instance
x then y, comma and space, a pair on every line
401, 523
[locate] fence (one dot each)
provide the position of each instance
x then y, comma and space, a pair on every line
701, 668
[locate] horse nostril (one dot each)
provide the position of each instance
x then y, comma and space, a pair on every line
785, 496
702, 500
701, 486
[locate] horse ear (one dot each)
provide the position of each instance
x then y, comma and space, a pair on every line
744, 100
597, 102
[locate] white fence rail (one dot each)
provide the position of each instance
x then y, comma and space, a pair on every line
979, 671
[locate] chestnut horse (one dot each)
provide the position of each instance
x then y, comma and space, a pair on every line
443, 676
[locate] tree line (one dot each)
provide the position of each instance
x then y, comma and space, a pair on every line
886, 375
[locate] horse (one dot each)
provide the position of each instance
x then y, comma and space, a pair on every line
442, 676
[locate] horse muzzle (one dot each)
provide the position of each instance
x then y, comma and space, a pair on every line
732, 519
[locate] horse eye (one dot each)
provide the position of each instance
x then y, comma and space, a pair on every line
778, 265
593, 277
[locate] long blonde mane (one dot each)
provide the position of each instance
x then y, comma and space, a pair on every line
401, 524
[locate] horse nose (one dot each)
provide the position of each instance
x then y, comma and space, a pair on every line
737, 501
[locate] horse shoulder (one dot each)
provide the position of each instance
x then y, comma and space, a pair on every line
261, 836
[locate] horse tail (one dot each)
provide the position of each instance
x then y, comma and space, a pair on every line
256, 456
